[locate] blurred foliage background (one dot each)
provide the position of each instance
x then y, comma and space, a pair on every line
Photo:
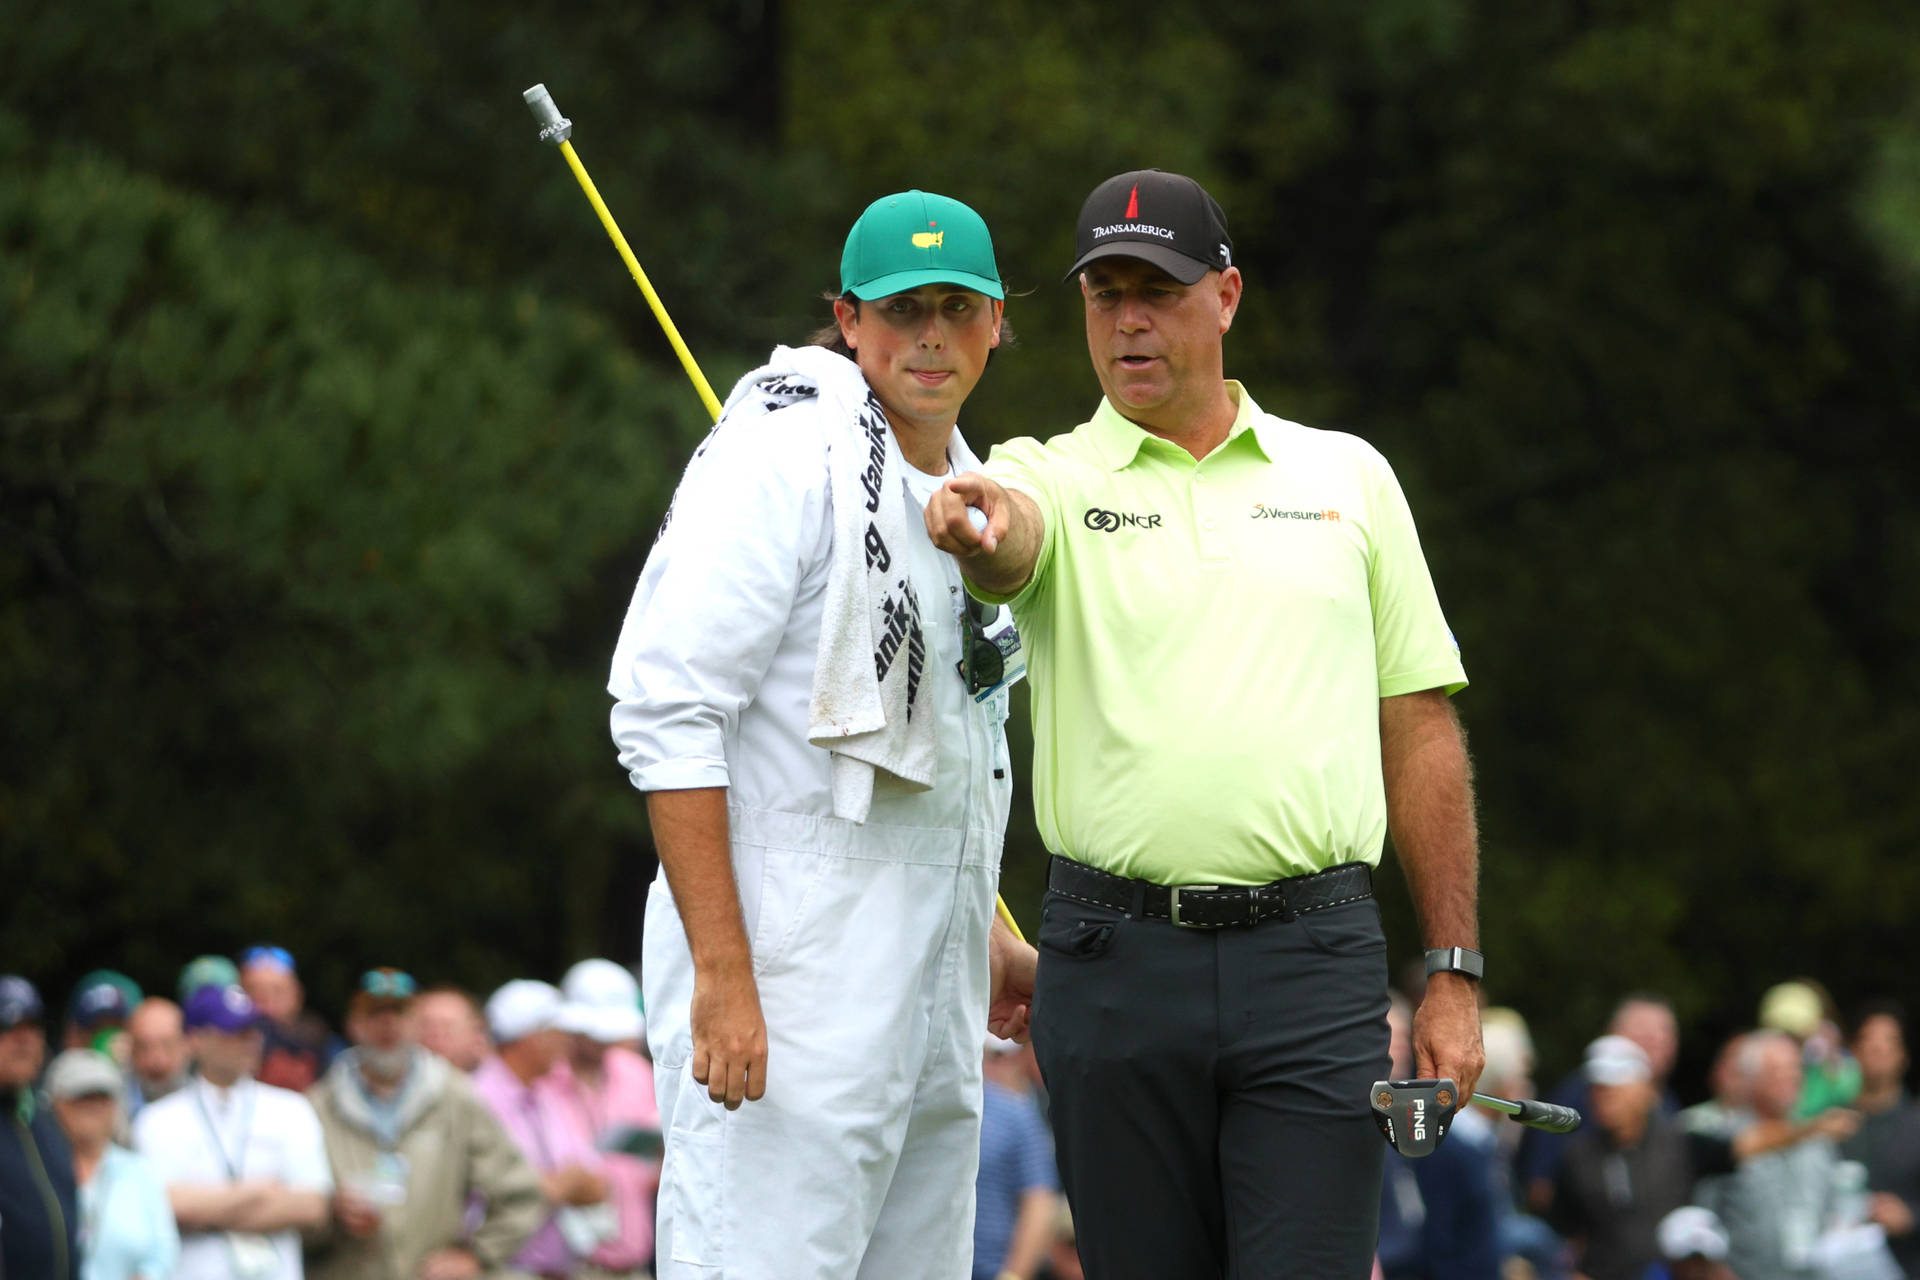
333, 435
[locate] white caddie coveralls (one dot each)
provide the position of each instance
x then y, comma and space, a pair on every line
869, 940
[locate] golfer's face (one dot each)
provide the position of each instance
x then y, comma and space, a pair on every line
1155, 342
922, 351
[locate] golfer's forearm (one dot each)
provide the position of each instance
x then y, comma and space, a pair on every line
1429, 785
690, 834
1006, 569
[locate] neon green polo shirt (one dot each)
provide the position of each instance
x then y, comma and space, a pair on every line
1208, 642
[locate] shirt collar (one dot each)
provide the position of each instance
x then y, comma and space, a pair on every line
1117, 441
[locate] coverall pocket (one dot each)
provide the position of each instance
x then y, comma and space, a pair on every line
788, 881
693, 1187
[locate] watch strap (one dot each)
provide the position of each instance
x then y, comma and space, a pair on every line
1456, 960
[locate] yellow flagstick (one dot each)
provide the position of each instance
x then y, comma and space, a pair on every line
557, 129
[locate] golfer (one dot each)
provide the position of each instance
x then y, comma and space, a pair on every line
1240, 683
816, 715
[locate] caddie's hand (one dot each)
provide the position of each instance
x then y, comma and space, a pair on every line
951, 526
1012, 964
729, 1035
1446, 1033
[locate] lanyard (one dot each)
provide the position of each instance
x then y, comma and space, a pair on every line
233, 1164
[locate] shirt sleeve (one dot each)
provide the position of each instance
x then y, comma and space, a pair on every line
306, 1166
715, 596
1023, 464
1413, 648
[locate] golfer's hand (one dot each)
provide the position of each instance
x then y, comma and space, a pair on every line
729, 1035
1446, 1033
1012, 963
951, 527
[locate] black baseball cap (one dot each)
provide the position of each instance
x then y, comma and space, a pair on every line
1162, 218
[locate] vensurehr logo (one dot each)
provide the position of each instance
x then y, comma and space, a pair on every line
1101, 520
1261, 511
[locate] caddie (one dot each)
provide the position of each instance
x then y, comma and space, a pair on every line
816, 713
1241, 675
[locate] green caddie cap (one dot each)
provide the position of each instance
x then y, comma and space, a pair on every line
904, 241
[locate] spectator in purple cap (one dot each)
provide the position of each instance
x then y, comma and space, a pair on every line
244, 1162
299, 1045
39, 1221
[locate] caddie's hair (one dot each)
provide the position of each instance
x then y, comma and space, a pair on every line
830, 337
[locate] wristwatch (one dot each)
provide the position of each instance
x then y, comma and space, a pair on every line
1456, 960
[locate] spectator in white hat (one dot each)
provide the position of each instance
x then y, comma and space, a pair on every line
1633, 1164
1693, 1246
126, 1224
605, 1089
523, 1017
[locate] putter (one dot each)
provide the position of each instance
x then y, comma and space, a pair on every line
1414, 1115
556, 130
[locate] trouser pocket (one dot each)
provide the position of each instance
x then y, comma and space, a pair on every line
693, 1182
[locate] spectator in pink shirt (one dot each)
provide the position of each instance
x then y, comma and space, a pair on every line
523, 1017
606, 1090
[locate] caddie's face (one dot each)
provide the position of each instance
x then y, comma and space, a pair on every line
1156, 343
922, 351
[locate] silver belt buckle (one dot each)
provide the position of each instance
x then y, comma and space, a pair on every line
1173, 903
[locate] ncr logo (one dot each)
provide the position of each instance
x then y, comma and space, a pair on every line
1101, 520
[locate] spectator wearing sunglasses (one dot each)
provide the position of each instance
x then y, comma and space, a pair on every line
410, 1145
299, 1045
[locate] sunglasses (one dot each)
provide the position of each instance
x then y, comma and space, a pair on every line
983, 665
389, 984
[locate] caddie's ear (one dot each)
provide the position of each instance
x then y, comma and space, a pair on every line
849, 317
999, 313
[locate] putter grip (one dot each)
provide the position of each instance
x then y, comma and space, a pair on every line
1545, 1115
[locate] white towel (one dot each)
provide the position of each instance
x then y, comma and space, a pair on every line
871, 706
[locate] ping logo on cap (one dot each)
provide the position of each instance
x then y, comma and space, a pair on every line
928, 239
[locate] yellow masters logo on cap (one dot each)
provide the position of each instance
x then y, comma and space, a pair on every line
928, 239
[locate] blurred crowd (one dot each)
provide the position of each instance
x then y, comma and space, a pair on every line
1802, 1163
230, 1134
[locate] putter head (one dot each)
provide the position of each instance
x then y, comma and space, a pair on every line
1413, 1115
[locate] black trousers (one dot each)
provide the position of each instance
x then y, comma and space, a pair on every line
1208, 1090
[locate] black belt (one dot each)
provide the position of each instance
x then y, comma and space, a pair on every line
1212, 906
